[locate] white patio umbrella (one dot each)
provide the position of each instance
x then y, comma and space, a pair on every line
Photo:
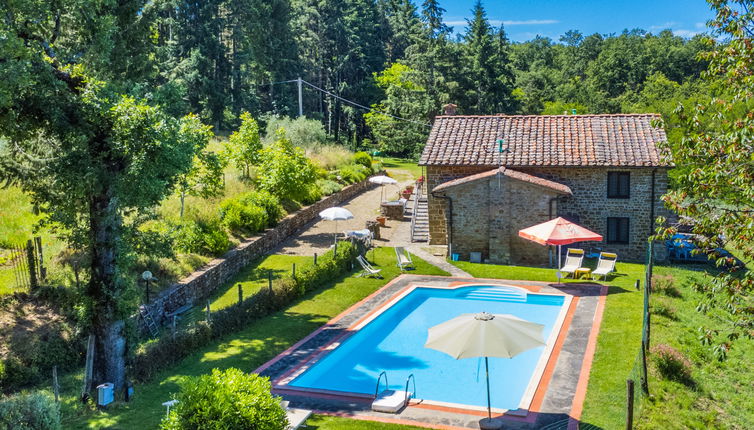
485, 335
382, 180
336, 214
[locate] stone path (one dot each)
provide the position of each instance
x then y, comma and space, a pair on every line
437, 261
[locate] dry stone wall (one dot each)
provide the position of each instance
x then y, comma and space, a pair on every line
202, 283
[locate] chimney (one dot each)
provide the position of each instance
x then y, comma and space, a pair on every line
450, 109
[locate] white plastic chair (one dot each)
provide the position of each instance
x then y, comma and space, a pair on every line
605, 265
403, 257
368, 269
573, 261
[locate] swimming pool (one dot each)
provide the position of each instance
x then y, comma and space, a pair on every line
393, 341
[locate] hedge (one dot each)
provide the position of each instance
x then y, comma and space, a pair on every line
161, 353
34, 411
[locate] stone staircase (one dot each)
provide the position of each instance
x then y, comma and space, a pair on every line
420, 226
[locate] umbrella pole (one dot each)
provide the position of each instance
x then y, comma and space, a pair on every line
487, 374
559, 253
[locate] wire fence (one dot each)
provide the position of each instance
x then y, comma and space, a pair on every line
26, 261
637, 383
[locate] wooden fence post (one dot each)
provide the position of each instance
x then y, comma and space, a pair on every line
315, 258
30, 258
240, 293
269, 279
629, 404
294, 271
55, 385
637, 285
42, 268
644, 377
89, 367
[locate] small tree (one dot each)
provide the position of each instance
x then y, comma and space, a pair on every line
229, 399
284, 169
205, 178
244, 146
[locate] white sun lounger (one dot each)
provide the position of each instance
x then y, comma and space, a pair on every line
296, 417
403, 257
368, 269
573, 261
605, 265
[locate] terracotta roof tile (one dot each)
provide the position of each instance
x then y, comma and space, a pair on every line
513, 174
627, 140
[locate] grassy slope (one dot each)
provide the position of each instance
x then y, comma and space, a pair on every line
248, 349
401, 169
720, 399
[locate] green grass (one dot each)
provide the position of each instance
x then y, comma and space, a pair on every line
401, 169
720, 398
248, 349
325, 422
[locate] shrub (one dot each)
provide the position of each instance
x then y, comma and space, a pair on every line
328, 187
313, 194
284, 170
158, 354
665, 309
303, 132
268, 202
201, 237
227, 399
672, 364
34, 411
329, 157
242, 218
665, 285
353, 173
363, 159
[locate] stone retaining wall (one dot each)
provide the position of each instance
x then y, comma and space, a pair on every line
202, 283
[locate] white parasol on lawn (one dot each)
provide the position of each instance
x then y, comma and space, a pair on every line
336, 214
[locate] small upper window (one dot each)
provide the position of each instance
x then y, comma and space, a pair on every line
618, 185
617, 230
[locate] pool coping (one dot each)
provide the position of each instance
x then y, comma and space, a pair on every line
537, 392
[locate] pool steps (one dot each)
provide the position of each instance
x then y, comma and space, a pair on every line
496, 295
392, 401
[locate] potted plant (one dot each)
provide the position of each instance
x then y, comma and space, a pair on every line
381, 219
410, 188
420, 180
406, 194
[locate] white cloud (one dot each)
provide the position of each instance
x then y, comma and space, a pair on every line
663, 26
685, 33
497, 22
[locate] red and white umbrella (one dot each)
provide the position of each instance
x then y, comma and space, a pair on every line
558, 231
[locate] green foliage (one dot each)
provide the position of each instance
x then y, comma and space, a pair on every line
364, 159
244, 145
328, 187
353, 173
303, 132
284, 170
33, 411
405, 97
561, 108
226, 398
251, 212
715, 186
312, 194
201, 237
672, 364
205, 177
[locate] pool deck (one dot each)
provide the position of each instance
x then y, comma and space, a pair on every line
558, 399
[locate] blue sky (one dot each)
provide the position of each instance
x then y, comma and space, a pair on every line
524, 19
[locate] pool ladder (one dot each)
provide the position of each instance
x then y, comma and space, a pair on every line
389, 400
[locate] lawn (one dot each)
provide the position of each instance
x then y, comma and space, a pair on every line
248, 349
717, 399
401, 169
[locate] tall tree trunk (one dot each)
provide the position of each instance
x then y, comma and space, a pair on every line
105, 290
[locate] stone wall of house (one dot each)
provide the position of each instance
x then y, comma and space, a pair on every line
488, 213
202, 283
589, 205
436, 175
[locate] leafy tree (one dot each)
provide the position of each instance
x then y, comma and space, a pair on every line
405, 98
716, 189
228, 399
244, 145
284, 169
205, 178
78, 147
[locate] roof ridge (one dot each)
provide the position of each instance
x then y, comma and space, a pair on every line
503, 115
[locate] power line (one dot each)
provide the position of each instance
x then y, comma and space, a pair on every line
362, 106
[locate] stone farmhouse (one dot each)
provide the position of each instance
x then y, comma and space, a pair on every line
604, 172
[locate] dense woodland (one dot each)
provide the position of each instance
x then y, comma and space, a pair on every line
218, 58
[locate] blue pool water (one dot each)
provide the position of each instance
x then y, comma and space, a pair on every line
394, 342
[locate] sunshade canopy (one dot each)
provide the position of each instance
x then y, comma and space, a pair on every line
485, 335
558, 231
382, 180
336, 214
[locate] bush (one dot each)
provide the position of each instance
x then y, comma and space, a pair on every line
35, 411
242, 218
363, 159
665, 285
228, 399
313, 194
166, 351
672, 364
353, 173
328, 187
665, 309
201, 237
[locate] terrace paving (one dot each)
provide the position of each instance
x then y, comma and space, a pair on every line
555, 407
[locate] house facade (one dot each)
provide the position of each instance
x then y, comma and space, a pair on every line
604, 172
